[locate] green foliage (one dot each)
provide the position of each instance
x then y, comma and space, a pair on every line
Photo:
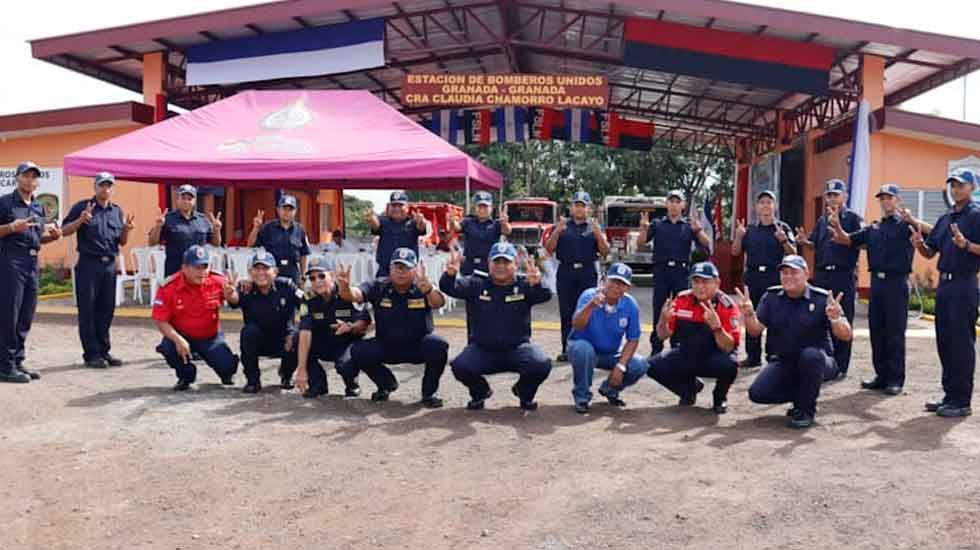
927, 305
354, 216
53, 280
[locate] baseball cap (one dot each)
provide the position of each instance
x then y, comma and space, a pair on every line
835, 186
187, 189
620, 272
263, 258
964, 176
105, 177
287, 200
27, 166
503, 250
888, 189
675, 194
319, 263
196, 256
483, 198
582, 197
404, 256
766, 193
704, 270
795, 261
398, 197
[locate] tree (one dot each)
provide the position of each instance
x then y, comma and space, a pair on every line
354, 224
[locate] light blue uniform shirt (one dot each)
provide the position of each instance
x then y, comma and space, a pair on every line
606, 329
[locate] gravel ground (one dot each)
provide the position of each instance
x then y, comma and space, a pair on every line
115, 459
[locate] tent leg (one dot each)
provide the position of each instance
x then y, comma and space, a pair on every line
467, 195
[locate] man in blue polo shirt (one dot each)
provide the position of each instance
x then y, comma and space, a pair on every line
605, 315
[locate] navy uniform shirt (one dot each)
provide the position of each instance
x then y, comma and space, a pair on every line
953, 259
761, 246
577, 244
795, 323
179, 233
100, 236
671, 240
401, 318
889, 247
273, 312
826, 251
317, 313
13, 207
478, 237
395, 235
502, 313
286, 245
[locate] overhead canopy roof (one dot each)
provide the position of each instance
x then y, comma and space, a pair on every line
546, 36
312, 139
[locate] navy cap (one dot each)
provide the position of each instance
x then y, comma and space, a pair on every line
398, 197
287, 200
105, 177
835, 186
795, 261
704, 270
319, 263
675, 193
503, 250
483, 198
582, 197
404, 256
263, 258
620, 272
765, 193
27, 166
196, 256
888, 189
964, 176
187, 189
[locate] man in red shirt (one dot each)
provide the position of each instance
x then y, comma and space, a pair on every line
705, 323
186, 311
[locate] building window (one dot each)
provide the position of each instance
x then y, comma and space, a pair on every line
925, 205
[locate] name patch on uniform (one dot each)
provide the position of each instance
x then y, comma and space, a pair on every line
685, 313
385, 303
342, 313
318, 316
303, 310
486, 297
514, 298
416, 303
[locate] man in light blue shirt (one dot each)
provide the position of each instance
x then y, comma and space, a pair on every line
603, 316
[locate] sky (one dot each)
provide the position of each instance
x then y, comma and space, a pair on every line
34, 85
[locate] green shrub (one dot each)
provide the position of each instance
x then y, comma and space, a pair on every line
54, 280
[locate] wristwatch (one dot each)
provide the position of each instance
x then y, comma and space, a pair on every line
621, 368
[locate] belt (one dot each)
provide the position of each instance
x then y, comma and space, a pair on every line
477, 260
675, 263
834, 268
947, 276
762, 268
887, 274
98, 258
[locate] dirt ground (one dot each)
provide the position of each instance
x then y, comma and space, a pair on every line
115, 459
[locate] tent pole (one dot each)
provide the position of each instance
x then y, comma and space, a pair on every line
467, 195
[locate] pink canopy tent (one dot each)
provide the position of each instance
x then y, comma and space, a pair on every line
312, 139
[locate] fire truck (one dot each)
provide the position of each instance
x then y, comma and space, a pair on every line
621, 218
436, 214
531, 219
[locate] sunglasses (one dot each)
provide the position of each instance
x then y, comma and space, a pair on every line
318, 276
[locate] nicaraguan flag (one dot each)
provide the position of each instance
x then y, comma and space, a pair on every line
448, 124
578, 125
315, 51
509, 125
860, 174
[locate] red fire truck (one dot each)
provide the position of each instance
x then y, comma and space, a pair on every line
531, 219
621, 218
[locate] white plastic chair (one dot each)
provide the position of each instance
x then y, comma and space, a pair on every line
217, 259
158, 260
122, 278
238, 261
144, 272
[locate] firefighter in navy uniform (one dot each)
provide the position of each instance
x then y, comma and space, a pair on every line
577, 244
284, 238
764, 244
835, 264
101, 228
328, 326
180, 229
22, 232
501, 306
396, 229
705, 324
186, 312
479, 231
800, 319
403, 305
956, 238
673, 238
890, 253
268, 303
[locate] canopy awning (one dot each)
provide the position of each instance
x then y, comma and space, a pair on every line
326, 139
